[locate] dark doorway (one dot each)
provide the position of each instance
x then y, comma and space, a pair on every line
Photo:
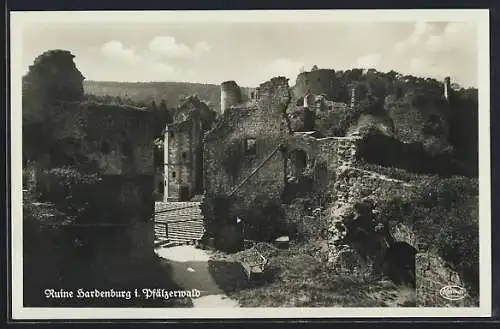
296, 183
184, 193
399, 263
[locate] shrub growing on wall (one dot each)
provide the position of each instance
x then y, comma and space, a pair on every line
69, 189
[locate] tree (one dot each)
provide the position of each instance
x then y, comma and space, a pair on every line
314, 68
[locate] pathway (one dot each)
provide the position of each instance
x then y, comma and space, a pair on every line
191, 270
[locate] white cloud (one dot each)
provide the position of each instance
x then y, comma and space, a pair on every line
115, 50
160, 67
422, 31
418, 65
202, 47
169, 47
369, 61
152, 67
284, 67
422, 66
435, 44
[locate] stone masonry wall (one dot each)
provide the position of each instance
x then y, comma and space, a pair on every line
356, 231
115, 138
182, 141
264, 124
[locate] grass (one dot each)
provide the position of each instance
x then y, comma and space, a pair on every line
295, 278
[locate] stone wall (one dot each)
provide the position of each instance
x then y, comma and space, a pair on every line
182, 152
115, 139
322, 81
322, 160
263, 125
117, 143
366, 233
330, 116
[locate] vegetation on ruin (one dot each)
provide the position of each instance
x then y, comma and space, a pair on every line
264, 220
412, 109
443, 216
296, 278
440, 214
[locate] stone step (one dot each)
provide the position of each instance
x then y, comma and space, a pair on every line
180, 242
181, 232
167, 219
179, 228
176, 205
188, 224
185, 227
182, 235
179, 223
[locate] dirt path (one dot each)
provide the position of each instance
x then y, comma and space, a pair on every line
190, 270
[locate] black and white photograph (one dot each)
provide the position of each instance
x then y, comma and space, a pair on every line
236, 164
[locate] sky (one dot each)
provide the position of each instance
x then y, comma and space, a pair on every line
251, 53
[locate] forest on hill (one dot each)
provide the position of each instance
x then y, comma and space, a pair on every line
147, 92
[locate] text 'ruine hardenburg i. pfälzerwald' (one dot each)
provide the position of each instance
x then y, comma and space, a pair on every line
146, 293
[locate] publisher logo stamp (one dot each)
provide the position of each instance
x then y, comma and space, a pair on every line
453, 292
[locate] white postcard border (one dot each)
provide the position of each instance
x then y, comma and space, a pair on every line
20, 19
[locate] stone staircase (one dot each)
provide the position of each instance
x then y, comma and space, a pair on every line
177, 223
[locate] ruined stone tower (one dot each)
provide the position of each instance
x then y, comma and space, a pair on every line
230, 95
318, 82
447, 88
353, 97
181, 158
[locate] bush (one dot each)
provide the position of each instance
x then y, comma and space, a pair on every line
262, 220
305, 220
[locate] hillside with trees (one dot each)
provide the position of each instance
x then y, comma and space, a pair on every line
147, 92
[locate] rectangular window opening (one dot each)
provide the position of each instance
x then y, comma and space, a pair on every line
250, 146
